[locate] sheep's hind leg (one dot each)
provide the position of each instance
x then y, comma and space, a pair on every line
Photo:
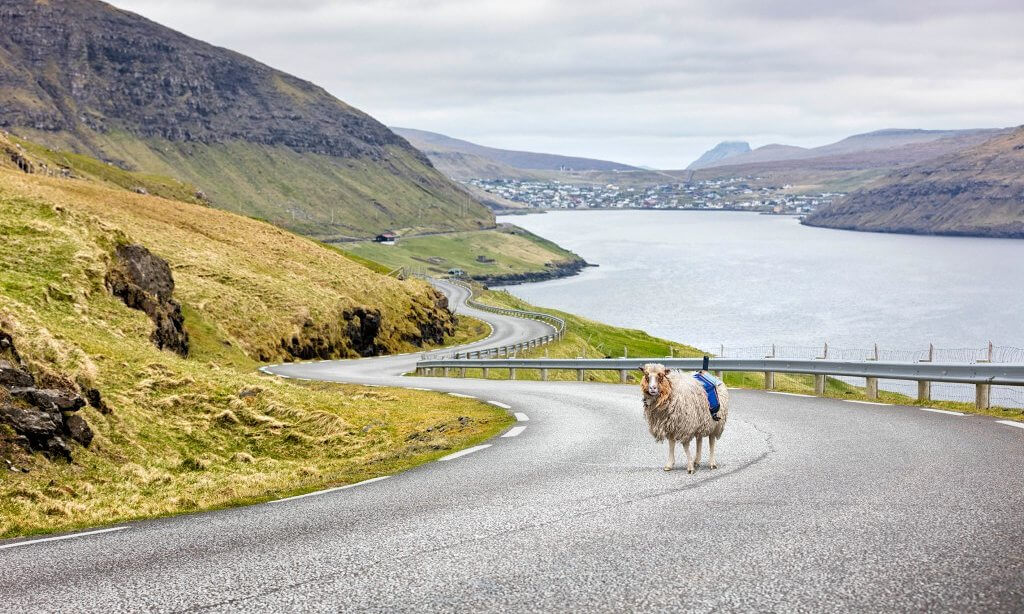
696, 457
711, 451
671, 455
689, 458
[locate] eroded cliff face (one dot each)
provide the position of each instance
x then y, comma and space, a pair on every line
144, 282
976, 192
79, 64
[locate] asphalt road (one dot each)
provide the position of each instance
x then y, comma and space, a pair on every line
818, 505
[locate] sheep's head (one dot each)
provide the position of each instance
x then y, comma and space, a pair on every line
655, 382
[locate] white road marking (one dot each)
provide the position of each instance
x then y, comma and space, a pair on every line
324, 492
794, 394
520, 416
1019, 425
941, 411
865, 402
61, 537
464, 452
514, 431
461, 396
501, 405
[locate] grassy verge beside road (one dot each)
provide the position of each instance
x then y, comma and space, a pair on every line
589, 339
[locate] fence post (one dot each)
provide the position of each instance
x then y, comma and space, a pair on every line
871, 387
982, 396
819, 385
924, 391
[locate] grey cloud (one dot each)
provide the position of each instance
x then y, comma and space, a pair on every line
646, 82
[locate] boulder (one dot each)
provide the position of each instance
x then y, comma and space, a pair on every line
78, 429
144, 282
37, 425
14, 377
50, 399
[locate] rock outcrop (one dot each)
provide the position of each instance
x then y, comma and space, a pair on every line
144, 282
43, 420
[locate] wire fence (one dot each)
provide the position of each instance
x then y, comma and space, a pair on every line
1004, 396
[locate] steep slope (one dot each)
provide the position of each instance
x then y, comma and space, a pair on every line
434, 145
85, 76
169, 433
978, 191
725, 149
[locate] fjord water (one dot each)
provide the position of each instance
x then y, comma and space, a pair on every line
744, 279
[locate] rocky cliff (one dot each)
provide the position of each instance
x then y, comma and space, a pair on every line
978, 191
84, 75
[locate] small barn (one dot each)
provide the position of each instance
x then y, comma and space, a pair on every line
386, 237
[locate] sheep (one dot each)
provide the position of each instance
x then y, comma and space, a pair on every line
676, 407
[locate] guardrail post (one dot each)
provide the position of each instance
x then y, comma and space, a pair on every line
924, 391
543, 375
419, 371
446, 371
462, 372
511, 373
982, 396
579, 375
819, 385
871, 387
769, 380
623, 376
487, 372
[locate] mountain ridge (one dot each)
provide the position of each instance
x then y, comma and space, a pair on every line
85, 76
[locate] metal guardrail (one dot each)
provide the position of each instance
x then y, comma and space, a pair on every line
983, 376
558, 324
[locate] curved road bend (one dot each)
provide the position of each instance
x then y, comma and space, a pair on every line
818, 505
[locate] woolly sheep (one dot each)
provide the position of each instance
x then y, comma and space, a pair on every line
676, 407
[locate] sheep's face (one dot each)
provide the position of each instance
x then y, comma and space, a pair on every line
655, 382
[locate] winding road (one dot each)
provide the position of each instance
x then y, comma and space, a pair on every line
819, 505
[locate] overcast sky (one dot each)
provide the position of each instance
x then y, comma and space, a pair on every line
647, 82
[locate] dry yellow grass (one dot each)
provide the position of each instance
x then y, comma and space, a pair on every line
182, 435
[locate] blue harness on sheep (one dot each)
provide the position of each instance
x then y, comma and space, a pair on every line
710, 383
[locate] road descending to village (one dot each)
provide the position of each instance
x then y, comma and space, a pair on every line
818, 505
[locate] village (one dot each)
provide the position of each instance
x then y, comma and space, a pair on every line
732, 194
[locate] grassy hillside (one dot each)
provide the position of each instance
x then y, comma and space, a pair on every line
181, 434
516, 253
317, 195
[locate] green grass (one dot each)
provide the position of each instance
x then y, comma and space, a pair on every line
320, 196
514, 251
207, 431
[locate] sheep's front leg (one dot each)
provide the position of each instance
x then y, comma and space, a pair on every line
711, 451
696, 457
671, 455
689, 458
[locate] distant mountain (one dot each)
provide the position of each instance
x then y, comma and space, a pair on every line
977, 191
464, 160
82, 75
725, 149
882, 148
